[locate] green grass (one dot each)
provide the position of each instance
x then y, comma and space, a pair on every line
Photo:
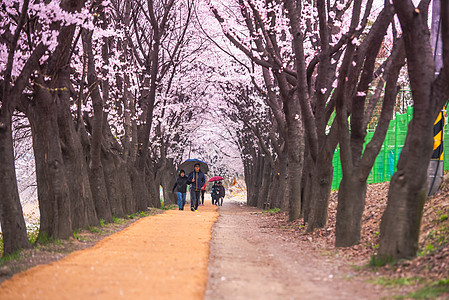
102, 222
427, 250
139, 214
1, 245
436, 237
76, 234
388, 281
94, 229
170, 206
44, 239
118, 220
272, 211
377, 261
431, 291
12, 256
32, 235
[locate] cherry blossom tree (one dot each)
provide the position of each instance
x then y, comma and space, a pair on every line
11, 216
400, 225
357, 74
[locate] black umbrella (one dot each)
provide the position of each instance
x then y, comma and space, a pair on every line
188, 165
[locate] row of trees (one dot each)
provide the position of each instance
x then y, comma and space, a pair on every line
104, 91
111, 94
319, 70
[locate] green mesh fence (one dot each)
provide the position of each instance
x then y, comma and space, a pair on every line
385, 164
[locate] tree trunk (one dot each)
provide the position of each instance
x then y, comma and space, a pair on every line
321, 182
103, 206
262, 195
140, 190
11, 215
82, 208
401, 221
118, 184
53, 190
248, 181
153, 190
400, 225
168, 181
278, 183
307, 191
295, 146
273, 192
126, 189
256, 179
283, 177
351, 202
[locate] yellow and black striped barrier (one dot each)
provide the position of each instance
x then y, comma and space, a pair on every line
438, 137
435, 172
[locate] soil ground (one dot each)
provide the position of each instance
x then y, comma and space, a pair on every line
250, 260
247, 254
53, 250
157, 257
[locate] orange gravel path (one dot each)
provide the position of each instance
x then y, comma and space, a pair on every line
158, 257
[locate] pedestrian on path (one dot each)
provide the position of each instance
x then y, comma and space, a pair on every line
221, 193
214, 194
196, 180
181, 184
203, 190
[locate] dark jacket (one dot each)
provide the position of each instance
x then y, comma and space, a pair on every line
181, 183
215, 191
200, 179
221, 191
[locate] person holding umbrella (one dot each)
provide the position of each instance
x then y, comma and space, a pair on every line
196, 180
215, 189
214, 193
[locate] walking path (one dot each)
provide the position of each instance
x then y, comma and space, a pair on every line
167, 257
158, 257
251, 260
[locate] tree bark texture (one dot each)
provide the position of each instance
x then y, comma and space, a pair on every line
400, 225
351, 203
105, 209
356, 165
321, 184
295, 146
52, 186
82, 208
263, 192
11, 215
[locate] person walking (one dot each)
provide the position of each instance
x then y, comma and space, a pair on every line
203, 190
221, 193
196, 180
181, 184
214, 194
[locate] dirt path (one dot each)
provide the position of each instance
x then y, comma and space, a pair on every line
250, 261
158, 257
